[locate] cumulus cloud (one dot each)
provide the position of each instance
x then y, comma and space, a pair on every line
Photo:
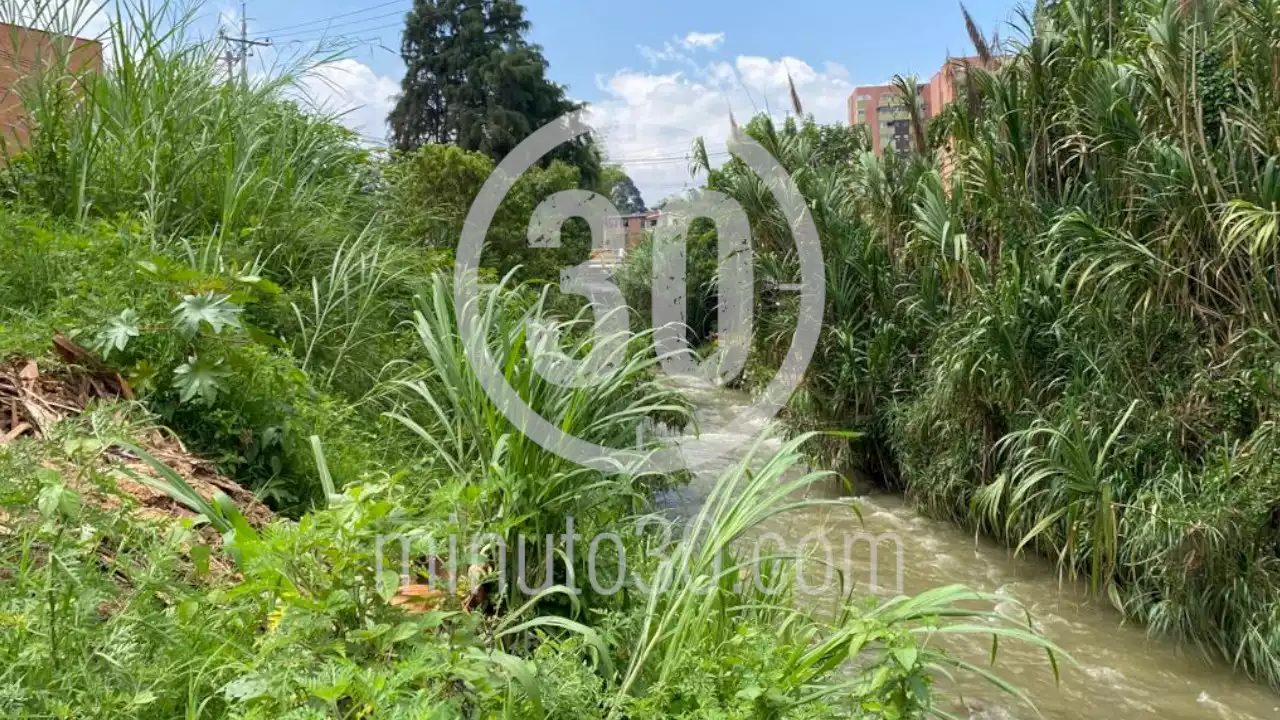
649, 119
353, 91
709, 41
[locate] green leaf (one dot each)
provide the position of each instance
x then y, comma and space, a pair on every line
47, 501
117, 334
246, 688
144, 376
906, 657
216, 310
403, 632
368, 634
388, 584
200, 554
199, 377
58, 499
243, 541
173, 485
262, 284
322, 467
82, 446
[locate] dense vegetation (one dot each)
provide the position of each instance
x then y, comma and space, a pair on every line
1054, 318
273, 293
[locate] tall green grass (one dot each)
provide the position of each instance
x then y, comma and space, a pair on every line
160, 133
1053, 319
522, 487
153, 176
709, 594
222, 230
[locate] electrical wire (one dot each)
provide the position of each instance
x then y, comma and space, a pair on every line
322, 21
661, 161
325, 30
327, 36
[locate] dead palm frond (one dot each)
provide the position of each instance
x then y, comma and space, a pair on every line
975, 36
795, 96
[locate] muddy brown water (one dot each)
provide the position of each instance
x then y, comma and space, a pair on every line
1119, 671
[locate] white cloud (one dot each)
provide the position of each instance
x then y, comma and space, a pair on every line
346, 87
90, 20
657, 57
649, 119
354, 91
680, 49
87, 20
708, 41
229, 19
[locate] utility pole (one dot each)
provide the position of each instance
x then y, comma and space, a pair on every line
246, 45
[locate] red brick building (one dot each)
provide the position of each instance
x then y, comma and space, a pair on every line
25, 51
635, 225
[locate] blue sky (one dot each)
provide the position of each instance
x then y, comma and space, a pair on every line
657, 72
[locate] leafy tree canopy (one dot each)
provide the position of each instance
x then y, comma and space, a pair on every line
473, 80
623, 191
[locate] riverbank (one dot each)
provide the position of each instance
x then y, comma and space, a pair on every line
215, 265
1051, 316
1120, 670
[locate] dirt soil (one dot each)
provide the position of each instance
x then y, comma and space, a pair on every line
32, 402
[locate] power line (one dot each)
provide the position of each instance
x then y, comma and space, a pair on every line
348, 31
662, 160
325, 29
246, 47
609, 133
644, 153
321, 21
326, 36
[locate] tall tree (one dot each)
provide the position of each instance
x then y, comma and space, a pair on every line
623, 191
472, 79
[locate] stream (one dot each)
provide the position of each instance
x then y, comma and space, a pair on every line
1120, 672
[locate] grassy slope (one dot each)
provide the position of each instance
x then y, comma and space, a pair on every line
259, 279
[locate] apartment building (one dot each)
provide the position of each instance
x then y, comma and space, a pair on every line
882, 108
625, 232
23, 51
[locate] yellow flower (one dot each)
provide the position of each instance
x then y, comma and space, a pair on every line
274, 618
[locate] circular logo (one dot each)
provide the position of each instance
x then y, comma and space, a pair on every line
593, 281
